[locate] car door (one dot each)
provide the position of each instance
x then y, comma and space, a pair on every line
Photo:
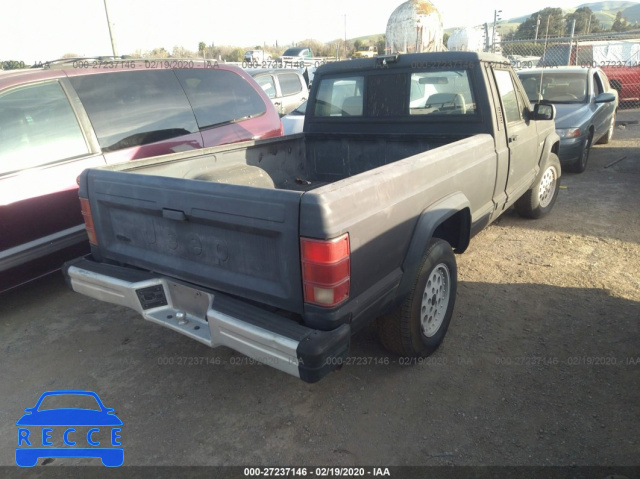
45, 143
602, 112
268, 84
293, 91
521, 135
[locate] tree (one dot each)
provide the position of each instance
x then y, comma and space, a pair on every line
620, 23
158, 53
202, 46
381, 44
236, 55
554, 16
586, 21
357, 44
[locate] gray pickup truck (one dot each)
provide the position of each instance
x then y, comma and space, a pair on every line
282, 248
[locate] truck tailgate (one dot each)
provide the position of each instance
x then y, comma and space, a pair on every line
235, 239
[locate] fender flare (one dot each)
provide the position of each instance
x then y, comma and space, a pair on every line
552, 140
429, 220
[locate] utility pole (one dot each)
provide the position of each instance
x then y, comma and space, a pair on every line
345, 35
537, 27
496, 17
113, 43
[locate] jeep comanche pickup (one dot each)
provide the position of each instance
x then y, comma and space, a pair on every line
282, 248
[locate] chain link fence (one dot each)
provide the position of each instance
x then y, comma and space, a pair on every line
618, 55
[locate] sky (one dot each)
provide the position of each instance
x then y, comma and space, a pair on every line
40, 30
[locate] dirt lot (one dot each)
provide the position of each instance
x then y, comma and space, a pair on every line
541, 365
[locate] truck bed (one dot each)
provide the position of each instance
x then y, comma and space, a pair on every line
235, 226
295, 163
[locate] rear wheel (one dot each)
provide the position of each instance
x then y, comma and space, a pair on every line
540, 198
419, 325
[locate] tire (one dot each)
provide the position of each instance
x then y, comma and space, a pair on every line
540, 198
581, 163
607, 138
419, 325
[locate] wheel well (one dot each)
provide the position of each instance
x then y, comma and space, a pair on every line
456, 230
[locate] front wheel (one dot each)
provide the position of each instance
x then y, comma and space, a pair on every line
540, 198
581, 163
419, 325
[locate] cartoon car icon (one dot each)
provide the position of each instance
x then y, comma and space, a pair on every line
73, 427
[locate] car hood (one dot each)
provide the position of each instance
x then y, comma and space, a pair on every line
69, 417
571, 115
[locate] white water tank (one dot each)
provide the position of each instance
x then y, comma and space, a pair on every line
415, 26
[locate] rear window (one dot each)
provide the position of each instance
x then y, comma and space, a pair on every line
135, 108
219, 96
381, 95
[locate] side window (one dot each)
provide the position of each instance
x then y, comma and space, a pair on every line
507, 93
597, 85
290, 83
38, 126
220, 96
340, 97
605, 81
135, 108
441, 92
267, 84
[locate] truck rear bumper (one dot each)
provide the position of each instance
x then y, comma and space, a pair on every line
214, 319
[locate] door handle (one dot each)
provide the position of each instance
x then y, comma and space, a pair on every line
513, 138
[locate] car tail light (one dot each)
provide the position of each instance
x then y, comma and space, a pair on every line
326, 270
88, 221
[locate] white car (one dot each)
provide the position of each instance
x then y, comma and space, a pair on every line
294, 121
286, 88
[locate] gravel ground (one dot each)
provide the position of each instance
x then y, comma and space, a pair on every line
541, 364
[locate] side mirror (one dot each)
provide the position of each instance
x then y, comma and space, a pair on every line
543, 111
605, 97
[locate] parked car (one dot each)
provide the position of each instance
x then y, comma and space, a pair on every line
57, 120
285, 87
585, 105
297, 55
294, 121
366, 52
259, 56
618, 59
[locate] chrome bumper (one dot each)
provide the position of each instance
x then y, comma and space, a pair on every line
214, 319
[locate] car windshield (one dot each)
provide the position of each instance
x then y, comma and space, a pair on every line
66, 401
555, 87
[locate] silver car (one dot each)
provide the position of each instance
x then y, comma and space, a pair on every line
585, 108
286, 88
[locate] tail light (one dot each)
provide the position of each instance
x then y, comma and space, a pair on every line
88, 221
326, 270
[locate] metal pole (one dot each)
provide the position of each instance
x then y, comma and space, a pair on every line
345, 35
113, 43
537, 27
